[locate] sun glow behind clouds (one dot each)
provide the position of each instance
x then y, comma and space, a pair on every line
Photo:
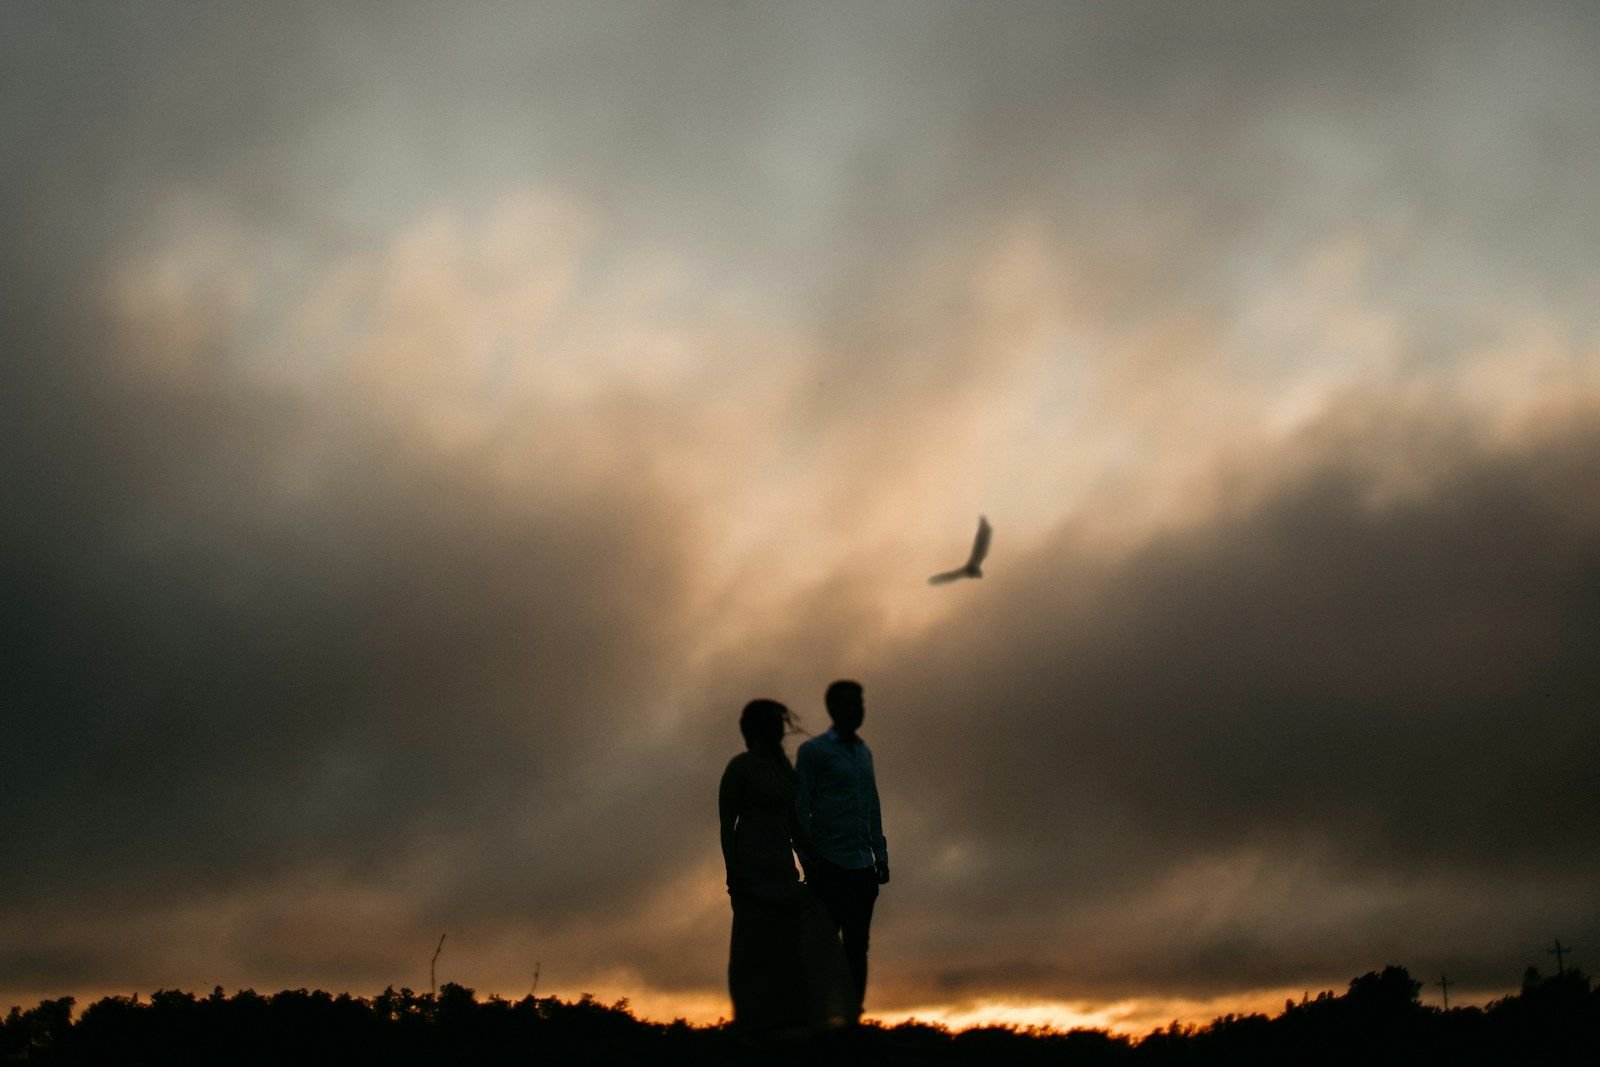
1134, 1016
521, 335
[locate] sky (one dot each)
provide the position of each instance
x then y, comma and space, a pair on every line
423, 427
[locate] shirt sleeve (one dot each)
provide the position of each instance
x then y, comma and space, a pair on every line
880, 847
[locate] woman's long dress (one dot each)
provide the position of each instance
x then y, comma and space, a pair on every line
786, 968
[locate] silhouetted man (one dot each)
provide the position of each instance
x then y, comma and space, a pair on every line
838, 804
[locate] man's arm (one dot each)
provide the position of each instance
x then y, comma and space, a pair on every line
800, 838
880, 846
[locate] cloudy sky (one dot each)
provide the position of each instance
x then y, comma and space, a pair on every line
423, 428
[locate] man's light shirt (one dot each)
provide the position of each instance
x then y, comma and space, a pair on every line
838, 801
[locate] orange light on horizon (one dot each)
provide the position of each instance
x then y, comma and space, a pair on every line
1134, 1016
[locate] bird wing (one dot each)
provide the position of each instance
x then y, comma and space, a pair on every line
980, 543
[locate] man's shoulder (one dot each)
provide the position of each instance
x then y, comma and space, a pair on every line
818, 746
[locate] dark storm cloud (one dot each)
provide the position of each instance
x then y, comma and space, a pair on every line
215, 674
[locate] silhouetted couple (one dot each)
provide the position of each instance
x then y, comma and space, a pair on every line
799, 955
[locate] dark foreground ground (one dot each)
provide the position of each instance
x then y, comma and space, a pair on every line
1378, 1020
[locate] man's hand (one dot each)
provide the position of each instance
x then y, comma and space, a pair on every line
882, 867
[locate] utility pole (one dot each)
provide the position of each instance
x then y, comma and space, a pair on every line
433, 982
534, 992
1444, 985
1560, 953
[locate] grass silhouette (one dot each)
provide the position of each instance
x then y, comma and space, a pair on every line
1379, 1019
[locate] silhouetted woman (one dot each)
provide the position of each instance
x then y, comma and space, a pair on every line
786, 968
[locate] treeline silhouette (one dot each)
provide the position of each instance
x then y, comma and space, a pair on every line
1380, 1019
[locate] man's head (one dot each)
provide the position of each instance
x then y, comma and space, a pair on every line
845, 706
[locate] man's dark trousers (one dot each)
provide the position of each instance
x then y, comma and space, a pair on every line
848, 895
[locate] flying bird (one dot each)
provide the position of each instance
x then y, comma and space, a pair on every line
973, 568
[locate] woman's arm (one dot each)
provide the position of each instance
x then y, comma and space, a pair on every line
800, 814
730, 801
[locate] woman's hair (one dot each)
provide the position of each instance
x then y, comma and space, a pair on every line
765, 720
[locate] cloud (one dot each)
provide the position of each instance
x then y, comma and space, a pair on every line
426, 436
258, 623
1329, 680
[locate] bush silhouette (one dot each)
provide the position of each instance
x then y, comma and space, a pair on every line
1379, 1019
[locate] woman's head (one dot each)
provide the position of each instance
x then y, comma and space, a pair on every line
764, 722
